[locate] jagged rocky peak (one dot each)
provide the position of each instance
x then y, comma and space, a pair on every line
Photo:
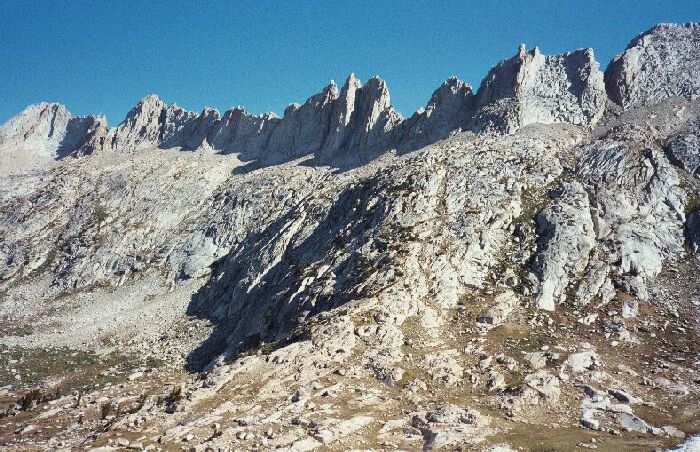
151, 123
449, 108
331, 123
347, 96
241, 132
341, 115
659, 63
452, 90
535, 88
376, 93
49, 130
89, 136
375, 104
358, 121
373, 118
304, 127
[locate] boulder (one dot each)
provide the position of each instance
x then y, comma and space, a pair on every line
498, 313
684, 148
582, 361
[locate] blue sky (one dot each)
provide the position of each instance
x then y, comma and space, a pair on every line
102, 57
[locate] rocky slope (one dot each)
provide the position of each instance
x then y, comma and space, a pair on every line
523, 258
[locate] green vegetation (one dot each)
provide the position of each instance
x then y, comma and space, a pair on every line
692, 204
174, 396
29, 399
532, 201
79, 370
100, 213
268, 347
35, 397
50, 258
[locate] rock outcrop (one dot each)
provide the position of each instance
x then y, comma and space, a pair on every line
373, 118
240, 132
356, 121
659, 63
49, 130
684, 148
298, 294
638, 204
449, 109
353, 123
152, 123
566, 239
534, 88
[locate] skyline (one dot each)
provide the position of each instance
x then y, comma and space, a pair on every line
103, 59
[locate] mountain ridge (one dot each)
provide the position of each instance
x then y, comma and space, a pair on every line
359, 121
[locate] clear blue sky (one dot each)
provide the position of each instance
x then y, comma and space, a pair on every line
102, 57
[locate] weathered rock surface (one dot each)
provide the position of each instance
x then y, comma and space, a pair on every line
498, 313
534, 88
349, 123
542, 387
582, 361
659, 63
566, 238
151, 123
684, 149
49, 130
450, 108
352, 124
638, 204
448, 425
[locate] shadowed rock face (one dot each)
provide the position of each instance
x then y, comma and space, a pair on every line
659, 63
450, 108
357, 120
693, 231
152, 123
566, 239
684, 149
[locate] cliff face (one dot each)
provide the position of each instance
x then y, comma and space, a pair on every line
533, 88
49, 130
152, 123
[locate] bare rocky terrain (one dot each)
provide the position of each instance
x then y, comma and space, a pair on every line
514, 268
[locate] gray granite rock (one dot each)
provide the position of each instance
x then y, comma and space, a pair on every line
533, 88
657, 64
